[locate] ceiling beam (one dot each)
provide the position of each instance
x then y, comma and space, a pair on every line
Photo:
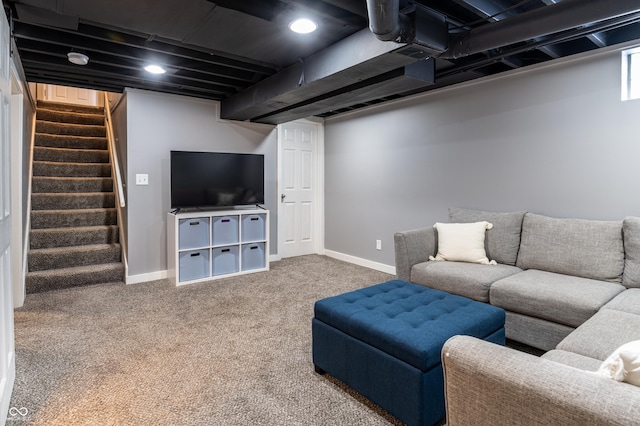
90, 37
539, 22
597, 39
185, 70
99, 78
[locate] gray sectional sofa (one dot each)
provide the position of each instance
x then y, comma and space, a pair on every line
570, 287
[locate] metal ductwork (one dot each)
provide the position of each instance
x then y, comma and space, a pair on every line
421, 27
351, 61
401, 80
365, 66
386, 21
358, 58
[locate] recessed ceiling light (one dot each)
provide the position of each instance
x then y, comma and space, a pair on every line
155, 69
303, 26
78, 58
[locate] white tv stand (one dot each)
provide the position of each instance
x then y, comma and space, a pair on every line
207, 245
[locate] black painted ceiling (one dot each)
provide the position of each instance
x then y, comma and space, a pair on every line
216, 49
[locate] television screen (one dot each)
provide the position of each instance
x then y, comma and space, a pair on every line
212, 179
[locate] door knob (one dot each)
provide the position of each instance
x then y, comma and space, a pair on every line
282, 197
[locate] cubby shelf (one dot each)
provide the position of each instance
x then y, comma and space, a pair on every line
207, 245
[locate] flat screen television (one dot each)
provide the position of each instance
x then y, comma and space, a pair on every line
216, 179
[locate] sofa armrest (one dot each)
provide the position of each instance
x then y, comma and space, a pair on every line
488, 384
412, 247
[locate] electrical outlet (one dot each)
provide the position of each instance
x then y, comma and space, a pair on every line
378, 244
142, 179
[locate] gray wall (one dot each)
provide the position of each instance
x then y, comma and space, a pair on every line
556, 140
158, 123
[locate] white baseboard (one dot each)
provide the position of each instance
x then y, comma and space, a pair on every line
361, 262
161, 275
143, 278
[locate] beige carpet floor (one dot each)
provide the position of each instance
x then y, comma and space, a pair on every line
235, 351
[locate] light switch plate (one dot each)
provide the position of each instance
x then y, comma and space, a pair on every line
142, 179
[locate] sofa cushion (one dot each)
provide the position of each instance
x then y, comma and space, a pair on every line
573, 359
579, 247
631, 234
503, 240
554, 297
627, 301
470, 280
539, 333
462, 242
602, 334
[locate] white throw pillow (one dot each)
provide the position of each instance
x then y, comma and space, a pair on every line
462, 242
623, 364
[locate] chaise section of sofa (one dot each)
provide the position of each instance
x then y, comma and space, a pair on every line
491, 384
487, 384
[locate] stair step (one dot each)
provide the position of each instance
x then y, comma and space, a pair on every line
73, 201
74, 236
60, 106
41, 219
52, 168
67, 237
69, 141
69, 117
59, 279
54, 128
69, 257
41, 184
70, 155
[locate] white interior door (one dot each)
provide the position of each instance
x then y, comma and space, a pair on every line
298, 185
7, 353
70, 95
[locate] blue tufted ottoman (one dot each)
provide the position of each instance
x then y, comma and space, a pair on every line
384, 341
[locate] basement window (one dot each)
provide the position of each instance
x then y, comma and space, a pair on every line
631, 74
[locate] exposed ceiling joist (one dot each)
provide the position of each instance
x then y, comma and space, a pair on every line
242, 54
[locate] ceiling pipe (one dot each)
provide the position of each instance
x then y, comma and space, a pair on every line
423, 29
386, 21
539, 22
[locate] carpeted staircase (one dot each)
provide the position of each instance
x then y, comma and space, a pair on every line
74, 237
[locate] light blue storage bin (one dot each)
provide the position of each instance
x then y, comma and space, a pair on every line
194, 264
224, 230
253, 256
193, 233
253, 227
225, 260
